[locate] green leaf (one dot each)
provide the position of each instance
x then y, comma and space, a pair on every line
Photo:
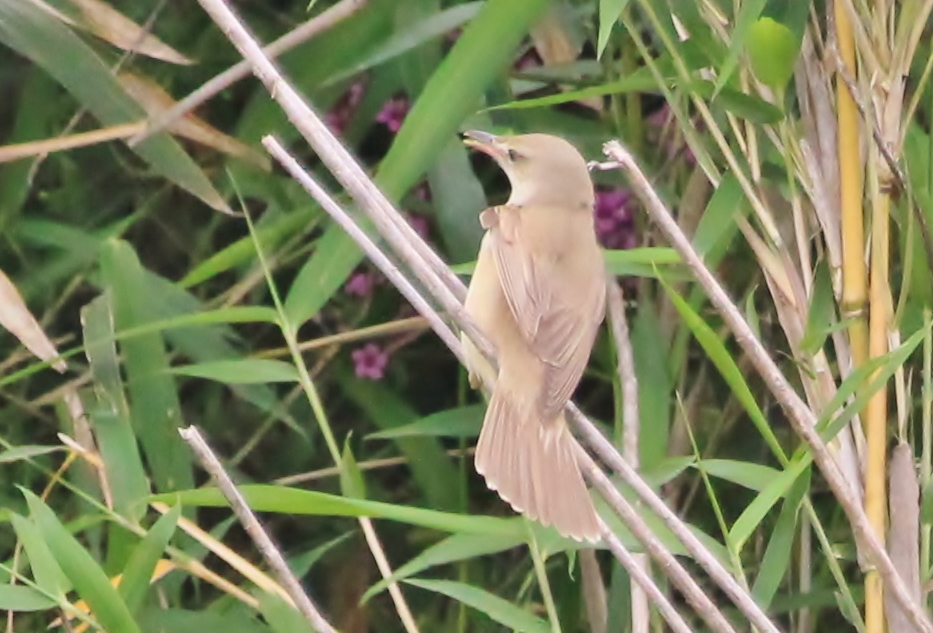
281, 616
642, 262
775, 562
459, 422
746, 18
494, 607
412, 36
751, 518
456, 547
270, 235
232, 620
728, 368
156, 412
138, 571
718, 225
48, 42
747, 474
18, 453
110, 416
241, 371
609, 12
429, 464
926, 505
352, 483
458, 198
772, 50
649, 349
48, 574
30, 123
822, 310
18, 598
90, 581
265, 498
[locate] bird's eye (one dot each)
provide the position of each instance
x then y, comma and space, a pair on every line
513, 155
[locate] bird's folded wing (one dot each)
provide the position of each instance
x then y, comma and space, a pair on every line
557, 314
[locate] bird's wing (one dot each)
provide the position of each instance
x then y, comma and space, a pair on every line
558, 309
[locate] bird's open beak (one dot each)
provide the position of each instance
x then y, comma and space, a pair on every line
485, 142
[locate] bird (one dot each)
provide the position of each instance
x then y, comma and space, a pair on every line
538, 292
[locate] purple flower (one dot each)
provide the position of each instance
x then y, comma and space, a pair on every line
360, 284
420, 224
339, 116
370, 361
613, 218
393, 113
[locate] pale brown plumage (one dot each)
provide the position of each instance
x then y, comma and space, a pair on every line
538, 292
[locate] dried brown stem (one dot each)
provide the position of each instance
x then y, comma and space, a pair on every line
801, 417
250, 523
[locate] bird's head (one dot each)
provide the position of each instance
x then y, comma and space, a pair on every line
541, 168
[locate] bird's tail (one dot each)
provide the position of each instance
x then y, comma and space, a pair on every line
531, 464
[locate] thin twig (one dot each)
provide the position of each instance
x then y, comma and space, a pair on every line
439, 281
632, 520
248, 520
801, 417
631, 422
696, 596
318, 24
369, 247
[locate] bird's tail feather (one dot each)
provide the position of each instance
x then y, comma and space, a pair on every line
531, 464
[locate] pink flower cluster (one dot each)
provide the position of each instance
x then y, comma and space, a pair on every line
614, 219
370, 361
393, 113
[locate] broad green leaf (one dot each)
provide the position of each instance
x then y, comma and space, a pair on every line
110, 416
143, 560
459, 422
89, 579
458, 199
772, 50
46, 571
30, 123
241, 371
48, 42
156, 411
18, 598
654, 386
211, 338
609, 12
279, 499
494, 607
